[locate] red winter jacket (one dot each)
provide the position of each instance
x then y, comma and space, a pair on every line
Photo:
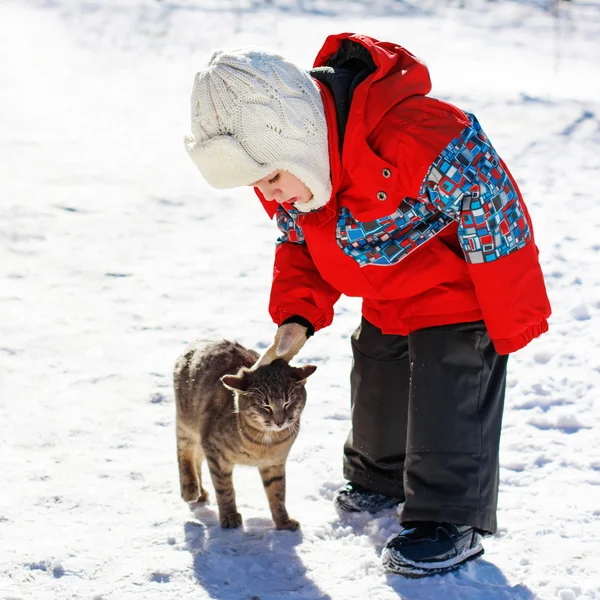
425, 222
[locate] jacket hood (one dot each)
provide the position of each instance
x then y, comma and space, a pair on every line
386, 75
394, 73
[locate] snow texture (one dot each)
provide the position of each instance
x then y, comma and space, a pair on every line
114, 254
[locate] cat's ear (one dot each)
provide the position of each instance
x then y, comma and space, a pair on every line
238, 383
303, 373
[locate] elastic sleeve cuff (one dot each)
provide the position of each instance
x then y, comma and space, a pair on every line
310, 330
512, 344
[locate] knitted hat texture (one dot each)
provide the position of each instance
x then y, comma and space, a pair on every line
253, 113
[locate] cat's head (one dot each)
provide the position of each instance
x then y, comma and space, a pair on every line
273, 396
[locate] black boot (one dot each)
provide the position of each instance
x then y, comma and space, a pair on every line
428, 548
356, 498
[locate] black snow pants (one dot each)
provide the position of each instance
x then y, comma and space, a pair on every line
426, 420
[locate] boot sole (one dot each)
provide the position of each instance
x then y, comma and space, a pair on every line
415, 570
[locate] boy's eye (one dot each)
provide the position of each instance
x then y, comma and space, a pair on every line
274, 179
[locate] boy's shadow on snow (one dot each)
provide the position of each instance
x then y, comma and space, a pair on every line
475, 580
253, 562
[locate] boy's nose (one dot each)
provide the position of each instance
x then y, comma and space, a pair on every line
276, 196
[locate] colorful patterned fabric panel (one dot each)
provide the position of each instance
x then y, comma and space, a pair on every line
388, 240
290, 230
466, 183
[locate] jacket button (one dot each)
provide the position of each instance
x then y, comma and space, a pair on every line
381, 196
387, 173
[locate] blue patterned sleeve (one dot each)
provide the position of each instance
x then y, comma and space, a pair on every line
468, 183
288, 225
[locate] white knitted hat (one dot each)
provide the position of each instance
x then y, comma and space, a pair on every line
253, 113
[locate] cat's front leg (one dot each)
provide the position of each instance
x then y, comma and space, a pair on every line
221, 474
189, 459
273, 478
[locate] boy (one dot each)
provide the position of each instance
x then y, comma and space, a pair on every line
384, 193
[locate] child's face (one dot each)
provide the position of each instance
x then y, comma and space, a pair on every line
282, 186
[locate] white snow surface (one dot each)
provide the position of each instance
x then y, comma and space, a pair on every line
114, 254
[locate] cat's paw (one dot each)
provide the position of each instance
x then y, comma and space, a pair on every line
190, 493
200, 501
289, 524
231, 520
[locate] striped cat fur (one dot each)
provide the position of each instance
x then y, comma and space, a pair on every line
230, 414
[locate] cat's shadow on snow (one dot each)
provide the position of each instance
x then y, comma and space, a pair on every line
256, 561
253, 561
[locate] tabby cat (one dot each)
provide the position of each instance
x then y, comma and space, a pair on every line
231, 414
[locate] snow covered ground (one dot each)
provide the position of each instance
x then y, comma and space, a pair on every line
114, 254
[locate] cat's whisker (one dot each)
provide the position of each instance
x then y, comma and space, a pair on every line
261, 434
